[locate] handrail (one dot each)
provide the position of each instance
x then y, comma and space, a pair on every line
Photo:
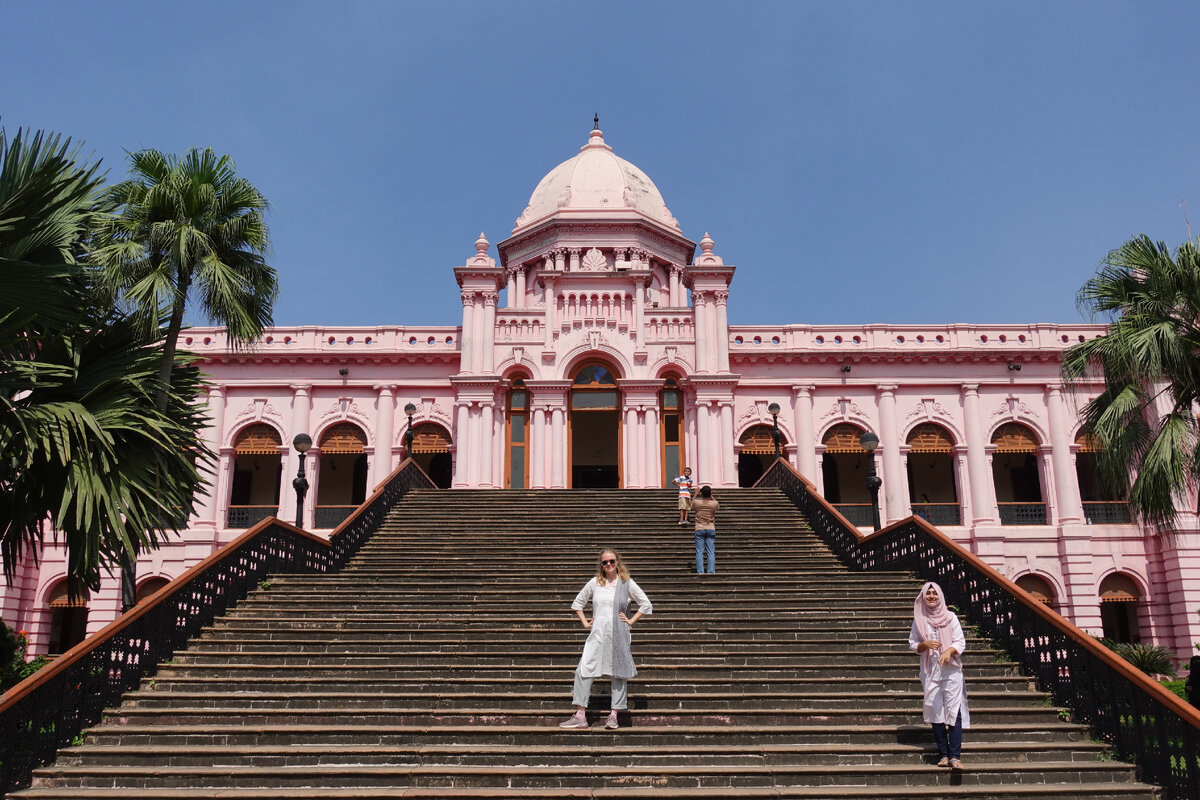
1140, 719
49, 708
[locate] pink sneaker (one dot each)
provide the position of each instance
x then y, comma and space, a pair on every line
577, 720
611, 722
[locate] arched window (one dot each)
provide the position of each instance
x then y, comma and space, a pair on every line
932, 488
150, 586
1101, 505
1119, 601
67, 603
1040, 588
844, 469
341, 475
1016, 476
431, 450
257, 473
671, 413
517, 463
757, 453
595, 429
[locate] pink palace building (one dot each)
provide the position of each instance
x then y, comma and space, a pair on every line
597, 352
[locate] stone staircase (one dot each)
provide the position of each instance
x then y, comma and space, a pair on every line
439, 662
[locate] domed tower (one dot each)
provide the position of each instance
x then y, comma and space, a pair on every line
595, 331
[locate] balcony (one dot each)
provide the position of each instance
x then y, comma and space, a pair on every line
331, 516
938, 513
1106, 512
1022, 513
857, 514
248, 516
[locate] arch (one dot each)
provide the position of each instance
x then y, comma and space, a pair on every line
257, 475
349, 416
431, 449
1016, 474
1041, 587
509, 365
149, 585
1033, 429
342, 438
67, 607
579, 356
929, 437
258, 438
672, 455
594, 425
757, 451
1015, 437
843, 437
341, 473
844, 469
1102, 503
932, 478
948, 425
516, 434
1120, 603
666, 366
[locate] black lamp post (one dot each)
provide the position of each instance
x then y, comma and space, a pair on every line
409, 409
869, 442
302, 443
774, 411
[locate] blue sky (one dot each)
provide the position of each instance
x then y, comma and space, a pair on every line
858, 161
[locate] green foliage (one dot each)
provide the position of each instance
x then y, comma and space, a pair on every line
13, 666
1150, 659
1144, 419
86, 450
1176, 687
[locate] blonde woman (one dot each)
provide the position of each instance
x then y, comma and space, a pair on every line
606, 651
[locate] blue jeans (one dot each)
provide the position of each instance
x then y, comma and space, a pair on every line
952, 748
706, 544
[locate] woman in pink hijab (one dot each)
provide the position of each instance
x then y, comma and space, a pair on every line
938, 638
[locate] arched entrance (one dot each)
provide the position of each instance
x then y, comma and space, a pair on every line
1119, 596
431, 451
1101, 505
516, 465
595, 428
150, 586
1016, 476
757, 453
257, 469
68, 606
1040, 588
671, 416
932, 490
342, 474
844, 473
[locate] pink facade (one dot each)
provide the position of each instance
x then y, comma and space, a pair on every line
596, 351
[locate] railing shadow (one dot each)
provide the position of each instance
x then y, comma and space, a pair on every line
49, 709
1142, 721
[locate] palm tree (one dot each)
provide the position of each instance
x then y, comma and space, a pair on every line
83, 445
1145, 418
189, 222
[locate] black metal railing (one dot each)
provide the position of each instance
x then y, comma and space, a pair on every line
1142, 721
51, 707
1107, 512
248, 516
857, 513
1022, 513
325, 517
938, 513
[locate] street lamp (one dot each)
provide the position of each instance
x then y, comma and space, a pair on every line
774, 411
409, 409
869, 442
302, 443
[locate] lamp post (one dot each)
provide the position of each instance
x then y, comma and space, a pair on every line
302, 443
774, 411
869, 442
409, 409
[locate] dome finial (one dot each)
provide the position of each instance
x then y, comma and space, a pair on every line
481, 244
596, 122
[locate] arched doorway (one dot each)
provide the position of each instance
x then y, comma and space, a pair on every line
1119, 598
342, 474
431, 450
257, 470
68, 606
932, 489
757, 453
516, 465
1101, 505
595, 428
1016, 476
671, 416
150, 586
844, 473
1040, 588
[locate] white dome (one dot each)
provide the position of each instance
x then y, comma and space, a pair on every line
595, 181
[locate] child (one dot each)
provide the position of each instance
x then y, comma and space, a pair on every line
684, 482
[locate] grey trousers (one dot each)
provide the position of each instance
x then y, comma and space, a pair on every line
583, 690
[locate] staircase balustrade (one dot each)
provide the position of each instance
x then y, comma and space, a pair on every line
1141, 720
50, 708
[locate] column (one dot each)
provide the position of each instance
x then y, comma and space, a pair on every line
725, 445
895, 493
537, 449
962, 484
206, 510
806, 454
551, 303
721, 334
558, 447
700, 307
521, 270
487, 432
466, 340
301, 410
385, 424
488, 339
639, 303
703, 470
674, 286
462, 451
1066, 480
652, 439
1049, 482
511, 287
983, 506
629, 441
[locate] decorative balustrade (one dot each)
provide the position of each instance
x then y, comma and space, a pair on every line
1142, 721
520, 325
212, 342
325, 517
670, 327
594, 309
248, 516
47, 710
1022, 513
1106, 512
938, 513
747, 339
857, 514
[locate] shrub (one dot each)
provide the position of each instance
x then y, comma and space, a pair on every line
13, 666
1150, 659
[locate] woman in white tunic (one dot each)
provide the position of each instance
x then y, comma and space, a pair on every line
606, 651
937, 637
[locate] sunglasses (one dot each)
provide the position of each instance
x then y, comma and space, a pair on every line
609, 561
